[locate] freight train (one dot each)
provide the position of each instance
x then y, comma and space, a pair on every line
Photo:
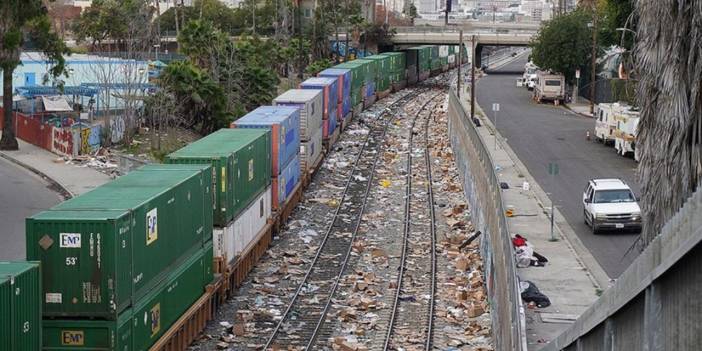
143, 262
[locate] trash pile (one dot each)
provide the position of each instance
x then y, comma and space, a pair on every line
101, 160
462, 320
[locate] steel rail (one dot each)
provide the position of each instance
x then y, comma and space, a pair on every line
406, 231
330, 229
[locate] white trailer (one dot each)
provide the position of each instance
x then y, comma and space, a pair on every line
625, 135
549, 87
605, 125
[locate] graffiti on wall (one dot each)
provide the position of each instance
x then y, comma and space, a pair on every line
117, 127
62, 141
88, 137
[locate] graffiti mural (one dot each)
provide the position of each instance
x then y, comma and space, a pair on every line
117, 127
87, 138
62, 141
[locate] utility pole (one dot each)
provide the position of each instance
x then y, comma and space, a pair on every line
460, 62
472, 79
593, 82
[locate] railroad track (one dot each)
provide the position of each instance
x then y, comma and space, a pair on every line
415, 288
300, 324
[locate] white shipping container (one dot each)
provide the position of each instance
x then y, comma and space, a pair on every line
443, 50
311, 103
231, 241
309, 152
222, 241
452, 59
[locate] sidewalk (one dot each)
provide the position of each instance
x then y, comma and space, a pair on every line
571, 279
72, 179
582, 107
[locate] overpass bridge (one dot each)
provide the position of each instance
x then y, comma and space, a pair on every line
450, 35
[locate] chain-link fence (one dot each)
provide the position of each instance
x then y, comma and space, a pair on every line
483, 192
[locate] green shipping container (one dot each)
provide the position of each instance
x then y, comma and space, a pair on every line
20, 306
398, 61
397, 77
424, 57
434, 51
206, 198
368, 69
382, 71
435, 64
138, 327
104, 250
356, 72
241, 158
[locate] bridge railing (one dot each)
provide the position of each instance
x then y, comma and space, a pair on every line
656, 303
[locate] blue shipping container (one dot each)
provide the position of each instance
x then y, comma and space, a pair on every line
343, 75
320, 83
284, 123
346, 106
284, 184
330, 125
370, 89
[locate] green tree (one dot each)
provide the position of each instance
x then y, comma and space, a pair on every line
221, 16
21, 20
200, 98
318, 66
616, 14
564, 43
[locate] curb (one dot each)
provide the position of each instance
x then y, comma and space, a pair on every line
594, 271
53, 184
567, 107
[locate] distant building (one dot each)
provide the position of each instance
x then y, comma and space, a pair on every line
83, 70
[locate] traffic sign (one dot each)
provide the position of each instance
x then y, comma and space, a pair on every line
577, 73
495, 107
553, 168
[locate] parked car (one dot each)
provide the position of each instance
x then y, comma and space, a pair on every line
609, 204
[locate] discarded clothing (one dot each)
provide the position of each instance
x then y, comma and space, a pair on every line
530, 293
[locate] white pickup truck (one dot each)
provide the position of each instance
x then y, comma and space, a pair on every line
609, 204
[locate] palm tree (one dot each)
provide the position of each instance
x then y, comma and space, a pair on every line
670, 129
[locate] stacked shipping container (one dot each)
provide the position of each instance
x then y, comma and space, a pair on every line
242, 161
284, 123
330, 97
140, 244
382, 71
20, 306
343, 77
311, 105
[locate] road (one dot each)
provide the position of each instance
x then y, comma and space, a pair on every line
22, 194
540, 134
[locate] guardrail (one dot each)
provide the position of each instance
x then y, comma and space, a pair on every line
482, 189
656, 303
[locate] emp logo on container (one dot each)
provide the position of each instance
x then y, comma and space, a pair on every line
72, 338
151, 226
70, 240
